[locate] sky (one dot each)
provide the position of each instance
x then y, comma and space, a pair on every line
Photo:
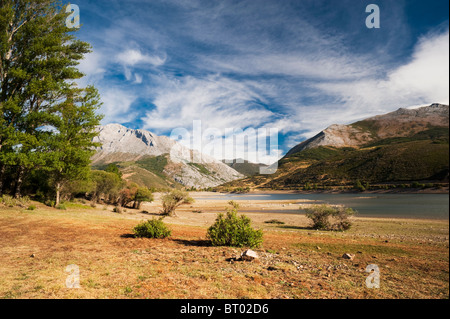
297, 66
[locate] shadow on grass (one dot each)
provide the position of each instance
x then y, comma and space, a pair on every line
295, 227
144, 212
127, 236
196, 243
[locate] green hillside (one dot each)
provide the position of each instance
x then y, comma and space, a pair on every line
421, 157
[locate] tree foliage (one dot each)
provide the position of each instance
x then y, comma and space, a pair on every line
172, 200
46, 121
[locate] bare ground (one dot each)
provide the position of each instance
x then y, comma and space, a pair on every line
295, 262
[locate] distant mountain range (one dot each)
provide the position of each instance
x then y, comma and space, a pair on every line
144, 158
403, 146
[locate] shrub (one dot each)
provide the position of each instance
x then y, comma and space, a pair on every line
61, 207
359, 186
154, 228
9, 201
31, 207
325, 217
234, 231
174, 199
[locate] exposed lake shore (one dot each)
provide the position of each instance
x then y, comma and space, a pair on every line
443, 190
295, 261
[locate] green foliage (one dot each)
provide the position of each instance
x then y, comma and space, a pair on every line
107, 185
46, 122
142, 195
31, 207
155, 165
174, 199
61, 206
359, 186
154, 228
233, 230
132, 193
10, 201
201, 168
113, 168
325, 217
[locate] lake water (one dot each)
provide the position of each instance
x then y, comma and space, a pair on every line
433, 206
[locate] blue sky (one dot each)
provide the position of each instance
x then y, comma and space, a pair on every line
298, 66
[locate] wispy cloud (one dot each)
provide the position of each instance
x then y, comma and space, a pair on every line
299, 66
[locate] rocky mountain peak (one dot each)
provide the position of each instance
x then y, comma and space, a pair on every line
121, 144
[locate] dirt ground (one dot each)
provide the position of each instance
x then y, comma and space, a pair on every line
36, 247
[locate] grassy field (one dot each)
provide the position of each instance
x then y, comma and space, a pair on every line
295, 262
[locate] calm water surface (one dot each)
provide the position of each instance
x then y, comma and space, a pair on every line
435, 206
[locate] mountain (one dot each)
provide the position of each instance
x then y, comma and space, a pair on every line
245, 167
403, 146
158, 161
401, 123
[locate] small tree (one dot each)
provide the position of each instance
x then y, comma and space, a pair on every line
359, 186
142, 195
107, 185
234, 231
172, 200
325, 217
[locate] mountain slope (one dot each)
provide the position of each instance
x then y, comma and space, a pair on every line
405, 145
245, 167
145, 159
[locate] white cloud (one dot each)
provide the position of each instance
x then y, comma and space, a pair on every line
427, 75
217, 101
421, 81
133, 57
116, 105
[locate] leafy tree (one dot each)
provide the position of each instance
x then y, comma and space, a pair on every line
113, 168
107, 185
38, 58
172, 200
72, 147
359, 186
143, 194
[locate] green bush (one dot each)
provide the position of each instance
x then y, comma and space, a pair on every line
154, 228
234, 231
325, 217
31, 207
9, 201
61, 207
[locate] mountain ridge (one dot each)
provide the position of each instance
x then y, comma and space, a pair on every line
132, 149
403, 146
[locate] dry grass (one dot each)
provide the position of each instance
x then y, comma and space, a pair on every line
295, 262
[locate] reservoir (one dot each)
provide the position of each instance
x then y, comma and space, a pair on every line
426, 206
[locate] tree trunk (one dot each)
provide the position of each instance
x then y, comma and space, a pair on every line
19, 181
58, 194
2, 174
